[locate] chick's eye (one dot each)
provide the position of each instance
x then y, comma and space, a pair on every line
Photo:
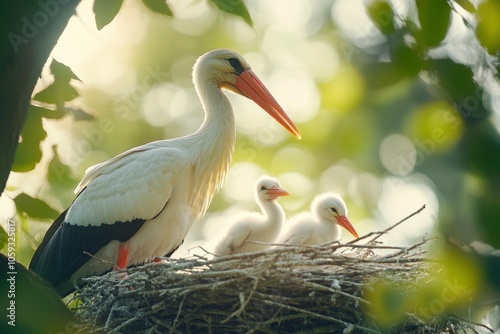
334, 210
236, 65
262, 188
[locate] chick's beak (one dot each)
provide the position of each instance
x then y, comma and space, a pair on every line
345, 223
275, 192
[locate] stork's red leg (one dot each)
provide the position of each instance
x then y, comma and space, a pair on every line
121, 261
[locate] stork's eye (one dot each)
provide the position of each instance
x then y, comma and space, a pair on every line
236, 65
334, 210
263, 188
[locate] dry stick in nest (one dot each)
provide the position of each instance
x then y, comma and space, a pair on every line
276, 290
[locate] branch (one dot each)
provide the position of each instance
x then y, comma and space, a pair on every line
380, 233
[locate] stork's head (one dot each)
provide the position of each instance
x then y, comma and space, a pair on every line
331, 207
269, 189
221, 66
227, 69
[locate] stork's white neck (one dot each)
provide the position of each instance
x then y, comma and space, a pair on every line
218, 130
212, 144
272, 211
219, 114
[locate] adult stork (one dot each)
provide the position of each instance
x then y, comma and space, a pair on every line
253, 226
321, 225
142, 203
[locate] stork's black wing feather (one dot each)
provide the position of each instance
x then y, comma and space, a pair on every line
61, 252
48, 235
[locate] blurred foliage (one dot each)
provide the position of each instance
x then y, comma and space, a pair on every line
159, 6
29, 153
425, 69
105, 11
44, 311
462, 85
59, 91
3, 238
34, 208
236, 7
434, 19
488, 26
448, 290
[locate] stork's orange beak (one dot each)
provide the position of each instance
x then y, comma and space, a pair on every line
249, 84
345, 223
277, 192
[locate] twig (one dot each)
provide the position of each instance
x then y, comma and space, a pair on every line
474, 323
320, 316
100, 260
243, 302
123, 325
380, 233
174, 324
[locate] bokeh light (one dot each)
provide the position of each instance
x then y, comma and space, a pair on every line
401, 196
434, 127
193, 18
350, 16
398, 154
344, 90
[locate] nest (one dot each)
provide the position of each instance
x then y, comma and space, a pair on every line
319, 289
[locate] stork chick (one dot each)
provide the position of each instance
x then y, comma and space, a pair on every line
319, 226
253, 226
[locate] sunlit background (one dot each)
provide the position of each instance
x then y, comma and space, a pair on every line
398, 106
387, 146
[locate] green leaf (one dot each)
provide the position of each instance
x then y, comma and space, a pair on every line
488, 25
467, 5
4, 237
158, 6
105, 11
60, 90
456, 79
406, 59
57, 93
62, 72
59, 175
457, 82
405, 63
382, 75
48, 113
26, 158
434, 17
79, 115
235, 7
60, 178
382, 15
34, 207
28, 152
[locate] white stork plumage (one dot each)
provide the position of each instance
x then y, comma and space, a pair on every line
253, 226
319, 226
142, 203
